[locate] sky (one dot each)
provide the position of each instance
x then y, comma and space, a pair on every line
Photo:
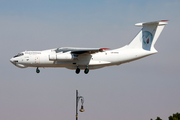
139, 90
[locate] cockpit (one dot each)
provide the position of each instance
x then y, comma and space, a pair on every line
18, 55
18, 61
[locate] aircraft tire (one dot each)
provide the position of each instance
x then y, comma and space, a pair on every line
77, 71
86, 71
37, 70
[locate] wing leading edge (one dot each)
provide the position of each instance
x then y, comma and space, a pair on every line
80, 50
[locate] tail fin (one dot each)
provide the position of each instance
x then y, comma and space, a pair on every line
148, 35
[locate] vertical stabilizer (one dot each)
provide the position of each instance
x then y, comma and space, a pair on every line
148, 35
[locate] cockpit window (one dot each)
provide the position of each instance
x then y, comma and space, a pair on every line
19, 54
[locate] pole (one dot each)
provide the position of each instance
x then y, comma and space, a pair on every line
76, 104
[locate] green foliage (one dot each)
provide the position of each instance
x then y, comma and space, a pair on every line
170, 118
175, 117
158, 118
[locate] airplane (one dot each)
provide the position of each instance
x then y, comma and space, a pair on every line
94, 58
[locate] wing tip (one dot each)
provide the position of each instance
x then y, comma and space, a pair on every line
164, 20
102, 49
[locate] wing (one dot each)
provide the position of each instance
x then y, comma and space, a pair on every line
80, 50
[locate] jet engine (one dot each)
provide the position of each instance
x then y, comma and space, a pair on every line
62, 57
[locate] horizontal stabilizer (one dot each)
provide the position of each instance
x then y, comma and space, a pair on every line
161, 22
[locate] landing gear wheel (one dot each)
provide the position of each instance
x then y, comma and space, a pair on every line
86, 71
37, 70
77, 70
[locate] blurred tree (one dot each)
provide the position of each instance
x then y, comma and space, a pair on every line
175, 116
170, 118
158, 118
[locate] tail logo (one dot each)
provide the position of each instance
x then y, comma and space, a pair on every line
146, 38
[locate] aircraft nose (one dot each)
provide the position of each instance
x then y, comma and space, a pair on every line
12, 60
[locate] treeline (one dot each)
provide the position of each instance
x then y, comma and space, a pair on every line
173, 117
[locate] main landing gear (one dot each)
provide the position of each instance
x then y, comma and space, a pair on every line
86, 71
37, 70
77, 70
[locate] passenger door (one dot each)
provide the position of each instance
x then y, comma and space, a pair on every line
37, 60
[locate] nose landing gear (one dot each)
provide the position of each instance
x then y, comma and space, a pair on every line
37, 70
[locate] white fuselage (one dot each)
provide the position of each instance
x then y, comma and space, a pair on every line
92, 61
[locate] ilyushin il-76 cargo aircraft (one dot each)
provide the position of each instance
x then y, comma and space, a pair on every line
94, 58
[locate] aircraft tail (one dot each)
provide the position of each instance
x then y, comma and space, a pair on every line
148, 35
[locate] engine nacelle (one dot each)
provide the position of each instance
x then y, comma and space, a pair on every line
61, 57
